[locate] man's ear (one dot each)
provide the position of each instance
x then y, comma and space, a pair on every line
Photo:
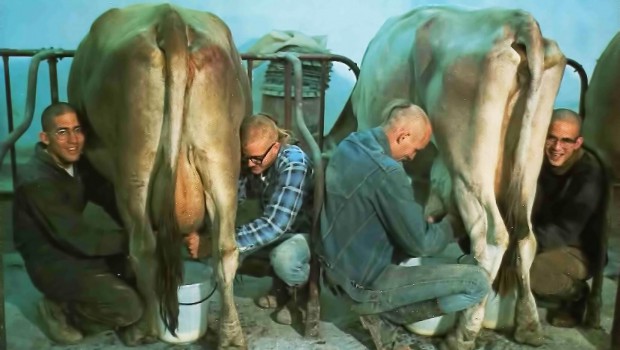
44, 137
401, 136
578, 142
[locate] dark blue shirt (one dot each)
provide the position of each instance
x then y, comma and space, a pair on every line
370, 211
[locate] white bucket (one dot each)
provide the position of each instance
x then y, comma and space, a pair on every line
194, 300
499, 311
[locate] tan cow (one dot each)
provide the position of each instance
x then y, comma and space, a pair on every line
488, 80
602, 122
601, 130
163, 93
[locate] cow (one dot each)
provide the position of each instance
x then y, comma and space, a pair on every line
600, 131
602, 122
162, 93
487, 80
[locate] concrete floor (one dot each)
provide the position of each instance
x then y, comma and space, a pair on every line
339, 328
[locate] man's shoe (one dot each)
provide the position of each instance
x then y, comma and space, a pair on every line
570, 314
284, 316
276, 297
413, 313
383, 334
295, 309
55, 323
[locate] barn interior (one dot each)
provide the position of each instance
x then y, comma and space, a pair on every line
343, 28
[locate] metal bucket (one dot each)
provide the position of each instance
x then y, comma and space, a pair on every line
194, 294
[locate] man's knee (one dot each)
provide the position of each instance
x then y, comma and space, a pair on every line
480, 285
128, 307
539, 273
290, 260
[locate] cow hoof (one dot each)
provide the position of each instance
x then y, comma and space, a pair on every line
452, 343
134, 335
231, 336
532, 335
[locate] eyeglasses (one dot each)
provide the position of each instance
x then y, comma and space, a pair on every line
258, 160
563, 142
63, 134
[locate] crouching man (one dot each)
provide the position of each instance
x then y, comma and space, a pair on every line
77, 265
280, 177
370, 215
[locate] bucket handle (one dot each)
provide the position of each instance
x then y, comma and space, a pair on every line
203, 300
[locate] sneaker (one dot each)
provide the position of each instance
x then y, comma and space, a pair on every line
55, 323
383, 334
276, 297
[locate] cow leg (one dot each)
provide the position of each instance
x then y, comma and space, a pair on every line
221, 205
132, 205
132, 196
528, 329
479, 217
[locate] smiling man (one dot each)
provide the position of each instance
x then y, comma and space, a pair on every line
76, 264
568, 219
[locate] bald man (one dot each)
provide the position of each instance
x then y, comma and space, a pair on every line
280, 176
568, 219
370, 214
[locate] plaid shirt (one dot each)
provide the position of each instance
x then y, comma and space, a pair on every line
285, 188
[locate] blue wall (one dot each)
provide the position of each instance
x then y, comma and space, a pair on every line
581, 28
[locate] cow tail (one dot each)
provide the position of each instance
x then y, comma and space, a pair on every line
529, 38
172, 40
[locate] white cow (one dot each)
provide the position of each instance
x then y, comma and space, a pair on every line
488, 80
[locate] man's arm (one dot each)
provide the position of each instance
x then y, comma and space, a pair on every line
280, 212
404, 218
66, 226
565, 221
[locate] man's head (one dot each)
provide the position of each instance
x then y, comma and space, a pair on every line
62, 133
563, 137
261, 140
407, 128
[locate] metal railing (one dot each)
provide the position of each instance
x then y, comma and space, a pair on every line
293, 64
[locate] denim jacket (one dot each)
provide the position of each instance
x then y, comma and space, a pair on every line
370, 211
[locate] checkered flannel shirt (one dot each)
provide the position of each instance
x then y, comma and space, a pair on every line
284, 188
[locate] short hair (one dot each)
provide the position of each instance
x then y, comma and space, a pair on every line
393, 108
263, 125
52, 111
393, 115
566, 114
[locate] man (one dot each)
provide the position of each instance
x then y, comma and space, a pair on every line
67, 258
370, 215
568, 219
280, 176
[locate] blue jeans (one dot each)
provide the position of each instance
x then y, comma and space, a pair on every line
455, 287
289, 257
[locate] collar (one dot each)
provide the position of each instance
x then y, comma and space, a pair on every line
568, 165
381, 138
41, 153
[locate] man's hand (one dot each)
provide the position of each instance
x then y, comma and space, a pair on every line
197, 247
